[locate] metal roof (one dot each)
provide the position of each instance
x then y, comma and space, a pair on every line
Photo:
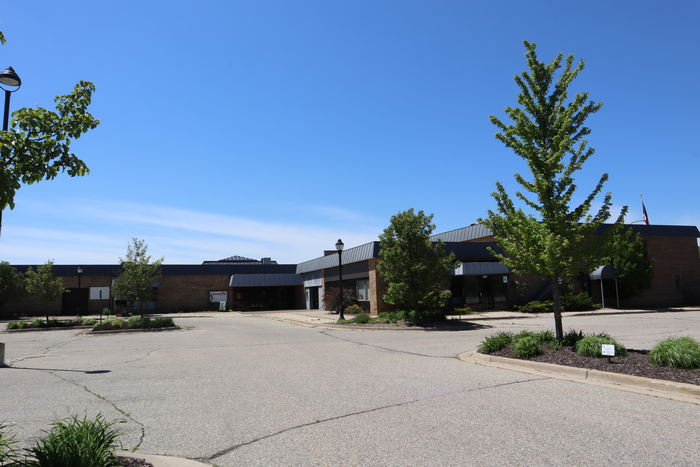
351, 255
464, 234
264, 280
114, 270
234, 259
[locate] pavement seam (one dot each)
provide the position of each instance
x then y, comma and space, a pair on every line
104, 399
230, 449
388, 349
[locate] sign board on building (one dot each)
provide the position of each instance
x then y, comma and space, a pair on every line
99, 293
218, 296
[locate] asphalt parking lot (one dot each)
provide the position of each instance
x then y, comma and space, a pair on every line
249, 390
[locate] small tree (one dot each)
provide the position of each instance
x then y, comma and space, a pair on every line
37, 145
627, 253
43, 284
416, 270
135, 283
11, 283
558, 241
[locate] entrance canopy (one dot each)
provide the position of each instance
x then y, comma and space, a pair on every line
479, 268
264, 280
603, 272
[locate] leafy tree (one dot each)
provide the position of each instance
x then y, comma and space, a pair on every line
416, 270
43, 284
135, 283
628, 255
555, 239
11, 283
37, 144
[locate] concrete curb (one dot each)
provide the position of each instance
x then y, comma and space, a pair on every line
164, 461
66, 328
654, 387
346, 327
117, 331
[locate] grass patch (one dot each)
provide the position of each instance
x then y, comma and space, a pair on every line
678, 352
591, 346
9, 454
134, 322
77, 442
496, 342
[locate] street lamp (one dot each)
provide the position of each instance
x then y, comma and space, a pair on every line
80, 273
339, 248
8, 78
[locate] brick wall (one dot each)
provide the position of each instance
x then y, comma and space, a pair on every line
189, 292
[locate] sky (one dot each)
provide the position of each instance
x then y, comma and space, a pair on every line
273, 128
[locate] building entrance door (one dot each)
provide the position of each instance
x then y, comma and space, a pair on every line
75, 301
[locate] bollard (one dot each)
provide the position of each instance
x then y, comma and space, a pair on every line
2, 354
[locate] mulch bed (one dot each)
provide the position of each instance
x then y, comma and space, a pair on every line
133, 462
635, 363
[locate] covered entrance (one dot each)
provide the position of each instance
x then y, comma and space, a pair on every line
254, 292
75, 301
480, 285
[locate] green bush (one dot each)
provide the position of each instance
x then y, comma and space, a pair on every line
577, 302
527, 346
679, 352
78, 443
544, 337
164, 322
362, 318
392, 316
591, 346
354, 309
135, 322
462, 310
39, 323
9, 454
88, 322
496, 342
572, 337
18, 325
110, 324
536, 307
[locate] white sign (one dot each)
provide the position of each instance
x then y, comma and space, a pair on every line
608, 350
218, 296
99, 293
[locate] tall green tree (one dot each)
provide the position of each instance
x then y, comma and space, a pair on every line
415, 269
556, 237
135, 283
628, 255
11, 283
37, 145
43, 284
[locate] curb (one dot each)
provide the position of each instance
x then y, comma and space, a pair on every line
117, 331
163, 461
345, 327
66, 328
654, 387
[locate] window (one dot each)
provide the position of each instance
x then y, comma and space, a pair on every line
362, 288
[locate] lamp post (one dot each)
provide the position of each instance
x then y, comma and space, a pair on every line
339, 248
8, 78
80, 273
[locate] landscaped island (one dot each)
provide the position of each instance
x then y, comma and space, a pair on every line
110, 324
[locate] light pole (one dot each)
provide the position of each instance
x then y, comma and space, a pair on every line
339, 248
80, 273
8, 78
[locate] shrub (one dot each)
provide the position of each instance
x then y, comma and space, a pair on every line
462, 310
18, 325
496, 342
577, 302
362, 318
591, 346
527, 346
679, 352
354, 309
536, 307
164, 322
135, 322
9, 454
78, 443
39, 323
572, 337
109, 324
544, 336
392, 316
88, 322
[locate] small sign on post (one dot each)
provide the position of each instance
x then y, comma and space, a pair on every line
608, 350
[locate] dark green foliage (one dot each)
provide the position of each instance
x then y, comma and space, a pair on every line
572, 337
544, 336
459, 311
11, 283
135, 283
578, 302
416, 270
43, 284
52, 323
134, 322
627, 253
362, 318
550, 238
679, 352
78, 442
392, 316
527, 346
496, 342
354, 309
591, 346
536, 307
9, 454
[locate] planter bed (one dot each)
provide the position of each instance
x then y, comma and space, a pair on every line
112, 331
635, 363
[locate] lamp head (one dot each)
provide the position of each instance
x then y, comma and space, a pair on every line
339, 245
80, 269
10, 78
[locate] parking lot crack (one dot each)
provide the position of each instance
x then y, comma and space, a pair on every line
126, 414
386, 349
230, 449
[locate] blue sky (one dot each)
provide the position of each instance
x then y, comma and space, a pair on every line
271, 128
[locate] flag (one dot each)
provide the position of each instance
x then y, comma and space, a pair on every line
646, 216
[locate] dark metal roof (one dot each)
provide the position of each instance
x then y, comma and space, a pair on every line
603, 272
351, 255
234, 259
463, 234
264, 280
114, 270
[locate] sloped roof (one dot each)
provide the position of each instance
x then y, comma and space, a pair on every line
463, 234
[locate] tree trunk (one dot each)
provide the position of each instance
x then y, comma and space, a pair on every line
556, 296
